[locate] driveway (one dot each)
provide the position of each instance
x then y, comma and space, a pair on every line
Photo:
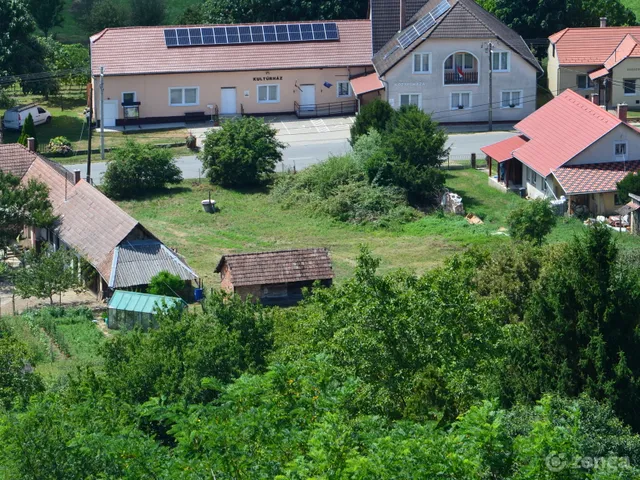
310, 141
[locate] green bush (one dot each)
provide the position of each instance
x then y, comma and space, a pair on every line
138, 169
532, 222
242, 153
165, 283
374, 115
60, 146
28, 131
629, 184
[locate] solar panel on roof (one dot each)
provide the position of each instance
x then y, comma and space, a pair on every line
246, 34
422, 25
170, 37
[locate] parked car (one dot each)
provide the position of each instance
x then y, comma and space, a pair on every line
14, 117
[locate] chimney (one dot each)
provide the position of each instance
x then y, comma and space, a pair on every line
603, 22
595, 98
623, 108
31, 144
402, 13
76, 176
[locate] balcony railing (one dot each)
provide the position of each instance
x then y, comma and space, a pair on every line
454, 78
325, 109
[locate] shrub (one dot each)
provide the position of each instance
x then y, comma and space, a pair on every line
243, 153
60, 146
532, 222
629, 184
138, 169
374, 115
165, 283
28, 131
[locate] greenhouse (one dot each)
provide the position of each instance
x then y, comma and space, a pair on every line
132, 309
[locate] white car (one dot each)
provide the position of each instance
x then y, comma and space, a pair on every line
14, 117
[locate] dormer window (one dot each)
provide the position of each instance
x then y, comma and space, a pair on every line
620, 150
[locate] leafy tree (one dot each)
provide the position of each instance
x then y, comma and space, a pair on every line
17, 27
107, 14
533, 221
28, 131
243, 153
192, 15
165, 283
539, 19
22, 205
138, 169
629, 184
48, 14
72, 57
47, 273
243, 11
374, 115
148, 12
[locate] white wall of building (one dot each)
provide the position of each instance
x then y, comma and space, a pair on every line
435, 96
603, 150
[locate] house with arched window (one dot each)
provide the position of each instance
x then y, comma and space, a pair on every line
452, 59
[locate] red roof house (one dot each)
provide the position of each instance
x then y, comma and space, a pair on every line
570, 147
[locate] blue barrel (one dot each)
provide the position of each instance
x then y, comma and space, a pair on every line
197, 294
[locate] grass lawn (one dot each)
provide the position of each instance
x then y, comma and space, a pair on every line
69, 121
254, 222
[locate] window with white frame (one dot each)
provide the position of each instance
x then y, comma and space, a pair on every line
464, 61
534, 179
460, 101
584, 82
268, 93
511, 99
410, 99
421, 63
128, 98
629, 86
448, 63
184, 96
343, 89
500, 61
620, 149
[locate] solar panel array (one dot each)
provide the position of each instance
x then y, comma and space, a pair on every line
237, 34
422, 25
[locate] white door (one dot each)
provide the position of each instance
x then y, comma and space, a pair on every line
228, 102
307, 97
110, 113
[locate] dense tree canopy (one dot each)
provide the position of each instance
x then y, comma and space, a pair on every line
47, 14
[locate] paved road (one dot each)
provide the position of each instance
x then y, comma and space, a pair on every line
313, 148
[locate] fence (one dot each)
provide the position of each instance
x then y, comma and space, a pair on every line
463, 161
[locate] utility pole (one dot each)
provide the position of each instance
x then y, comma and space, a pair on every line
102, 113
89, 120
490, 87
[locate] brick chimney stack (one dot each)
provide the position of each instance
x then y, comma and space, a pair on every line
31, 144
595, 98
603, 22
76, 176
623, 108
402, 13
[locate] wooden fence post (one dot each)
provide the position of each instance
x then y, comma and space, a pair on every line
473, 160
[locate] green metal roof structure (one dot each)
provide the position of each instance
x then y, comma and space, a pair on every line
142, 302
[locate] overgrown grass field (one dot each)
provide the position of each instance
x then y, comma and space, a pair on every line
253, 221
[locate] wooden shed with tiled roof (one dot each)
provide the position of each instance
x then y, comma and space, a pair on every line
275, 278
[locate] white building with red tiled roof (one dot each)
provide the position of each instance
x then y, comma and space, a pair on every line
570, 147
602, 61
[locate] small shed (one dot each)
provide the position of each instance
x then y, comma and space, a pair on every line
132, 309
275, 278
632, 210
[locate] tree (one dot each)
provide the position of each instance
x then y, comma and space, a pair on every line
541, 18
28, 131
48, 14
17, 379
533, 221
138, 169
192, 15
629, 184
374, 115
22, 205
72, 59
148, 12
17, 27
243, 11
165, 283
47, 273
107, 14
243, 153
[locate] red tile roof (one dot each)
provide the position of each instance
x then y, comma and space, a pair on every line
627, 48
503, 150
366, 84
285, 266
562, 129
15, 159
589, 46
142, 50
594, 178
598, 73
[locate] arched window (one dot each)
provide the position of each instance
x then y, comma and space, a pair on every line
461, 68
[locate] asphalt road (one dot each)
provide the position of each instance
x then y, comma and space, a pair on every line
302, 153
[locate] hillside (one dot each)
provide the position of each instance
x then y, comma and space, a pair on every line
633, 5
